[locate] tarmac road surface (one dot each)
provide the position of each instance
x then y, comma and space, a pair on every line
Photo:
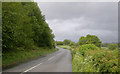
60, 61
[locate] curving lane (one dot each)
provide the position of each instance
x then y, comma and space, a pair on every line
60, 61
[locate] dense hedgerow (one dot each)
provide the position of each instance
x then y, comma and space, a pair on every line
24, 27
89, 59
113, 46
88, 47
106, 61
84, 48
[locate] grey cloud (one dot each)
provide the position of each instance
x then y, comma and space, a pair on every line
65, 10
75, 19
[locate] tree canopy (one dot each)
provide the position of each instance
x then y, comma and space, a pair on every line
59, 43
66, 42
72, 43
24, 26
90, 39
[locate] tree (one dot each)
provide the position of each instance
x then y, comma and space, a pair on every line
66, 42
59, 43
72, 43
24, 26
82, 40
90, 39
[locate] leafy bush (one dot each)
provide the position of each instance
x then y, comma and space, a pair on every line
73, 52
82, 64
90, 39
72, 43
88, 46
59, 43
96, 61
66, 42
84, 48
112, 46
105, 62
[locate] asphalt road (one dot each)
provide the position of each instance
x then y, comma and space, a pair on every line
60, 61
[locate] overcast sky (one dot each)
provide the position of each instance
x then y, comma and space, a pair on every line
71, 20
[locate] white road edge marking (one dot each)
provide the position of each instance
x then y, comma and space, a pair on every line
32, 67
51, 58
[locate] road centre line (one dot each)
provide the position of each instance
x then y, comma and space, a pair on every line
51, 58
36, 66
31, 68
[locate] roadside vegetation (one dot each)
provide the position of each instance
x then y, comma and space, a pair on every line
25, 32
26, 35
88, 55
22, 56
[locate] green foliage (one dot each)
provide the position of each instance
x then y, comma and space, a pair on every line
59, 43
88, 47
105, 62
65, 47
84, 48
95, 61
113, 46
88, 58
72, 43
90, 39
105, 44
66, 42
81, 64
82, 40
24, 26
21, 56
118, 45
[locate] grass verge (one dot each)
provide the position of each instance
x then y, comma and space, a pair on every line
64, 46
12, 58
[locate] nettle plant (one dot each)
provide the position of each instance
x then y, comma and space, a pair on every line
105, 62
84, 48
90, 58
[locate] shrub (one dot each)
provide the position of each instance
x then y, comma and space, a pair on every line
66, 42
59, 43
104, 62
88, 46
90, 39
95, 61
72, 43
83, 48
112, 46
